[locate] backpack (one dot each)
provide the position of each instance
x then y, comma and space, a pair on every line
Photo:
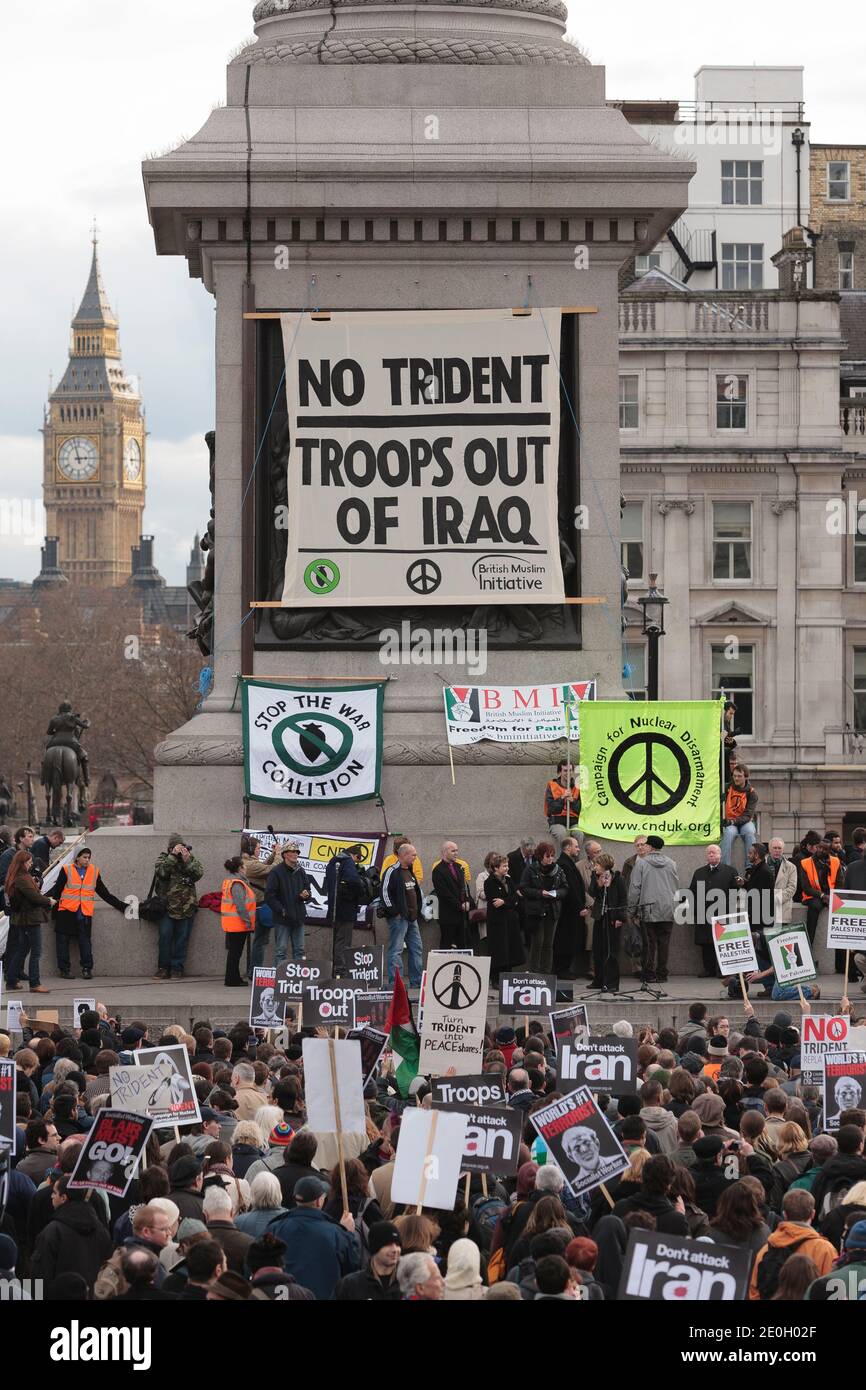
486, 1211
771, 1266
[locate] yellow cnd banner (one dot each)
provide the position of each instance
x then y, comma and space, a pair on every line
651, 768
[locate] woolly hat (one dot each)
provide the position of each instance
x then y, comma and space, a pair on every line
692, 1062
856, 1237
718, 1046
709, 1147
782, 1019
281, 1135
383, 1233
710, 1107
506, 1035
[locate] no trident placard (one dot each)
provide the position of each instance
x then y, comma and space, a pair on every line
455, 1011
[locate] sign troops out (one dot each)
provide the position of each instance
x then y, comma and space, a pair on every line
580, 1141
527, 994
455, 1012
468, 1091
329, 1004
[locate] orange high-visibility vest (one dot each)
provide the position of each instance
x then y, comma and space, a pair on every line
79, 892
559, 792
231, 918
811, 872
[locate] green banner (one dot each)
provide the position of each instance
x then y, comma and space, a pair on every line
651, 768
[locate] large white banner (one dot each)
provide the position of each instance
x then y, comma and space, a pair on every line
308, 745
514, 713
424, 452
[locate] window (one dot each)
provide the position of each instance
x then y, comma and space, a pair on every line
742, 265
629, 409
732, 540
859, 557
860, 689
734, 677
743, 182
846, 267
731, 402
838, 181
634, 670
644, 263
632, 539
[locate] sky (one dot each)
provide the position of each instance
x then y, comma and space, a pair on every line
93, 89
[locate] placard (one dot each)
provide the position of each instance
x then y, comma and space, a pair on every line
678, 1269
735, 949
429, 1158
111, 1152
844, 1085
371, 1008
329, 1004
579, 1141
159, 1085
602, 1064
14, 1010
791, 955
572, 1022
8, 1078
267, 1009
526, 993
367, 966
846, 920
468, 1091
493, 1135
822, 1034
373, 1043
423, 459
80, 1006
325, 1058
455, 1012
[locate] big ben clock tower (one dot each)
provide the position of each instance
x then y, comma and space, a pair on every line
95, 439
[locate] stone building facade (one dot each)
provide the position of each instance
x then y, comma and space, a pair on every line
738, 483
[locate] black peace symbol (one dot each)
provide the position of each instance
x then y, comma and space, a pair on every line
456, 986
651, 793
424, 576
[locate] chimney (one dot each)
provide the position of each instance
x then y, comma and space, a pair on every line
50, 573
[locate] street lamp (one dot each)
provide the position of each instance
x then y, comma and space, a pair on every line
653, 608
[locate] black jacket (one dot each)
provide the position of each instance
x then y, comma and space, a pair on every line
851, 1168
268, 1281
669, 1221
760, 896
452, 891
283, 891
393, 891
534, 884
710, 1183
364, 1287
720, 881
74, 1242
575, 897
345, 887
855, 875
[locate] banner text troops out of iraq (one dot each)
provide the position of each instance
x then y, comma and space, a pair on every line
423, 458
651, 768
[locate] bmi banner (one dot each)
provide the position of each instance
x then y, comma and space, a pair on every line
651, 768
423, 458
317, 851
307, 746
678, 1269
514, 713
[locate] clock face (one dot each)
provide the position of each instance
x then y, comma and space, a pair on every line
132, 461
78, 459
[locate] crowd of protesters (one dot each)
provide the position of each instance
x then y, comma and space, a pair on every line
725, 1144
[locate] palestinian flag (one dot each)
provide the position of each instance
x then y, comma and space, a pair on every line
402, 1037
